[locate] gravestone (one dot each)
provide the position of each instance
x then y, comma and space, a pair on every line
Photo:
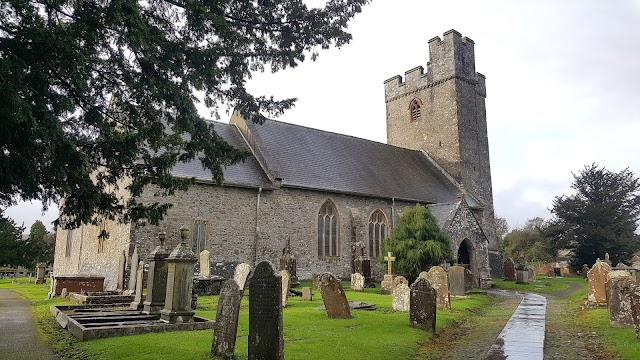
205, 265
634, 294
522, 274
137, 301
157, 277
265, 313
357, 282
401, 295
134, 268
456, 281
122, 262
469, 281
333, 297
286, 282
531, 273
422, 305
362, 266
397, 280
307, 295
509, 270
597, 277
40, 272
241, 274
424, 274
180, 265
386, 287
315, 277
635, 260
618, 289
226, 327
585, 270
288, 262
440, 282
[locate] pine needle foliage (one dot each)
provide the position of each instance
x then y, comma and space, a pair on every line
417, 242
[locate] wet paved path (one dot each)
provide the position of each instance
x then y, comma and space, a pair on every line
523, 336
18, 335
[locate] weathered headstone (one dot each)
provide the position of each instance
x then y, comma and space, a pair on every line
634, 294
531, 273
469, 280
440, 281
334, 298
122, 262
422, 305
157, 277
522, 274
635, 260
205, 265
618, 289
401, 297
241, 274
397, 280
362, 265
265, 314
357, 282
315, 277
40, 272
424, 274
137, 301
286, 282
134, 268
288, 262
226, 327
585, 270
180, 265
597, 279
509, 270
307, 295
456, 281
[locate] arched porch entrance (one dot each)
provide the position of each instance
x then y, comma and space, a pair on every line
466, 257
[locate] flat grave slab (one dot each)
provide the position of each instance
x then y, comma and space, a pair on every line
88, 322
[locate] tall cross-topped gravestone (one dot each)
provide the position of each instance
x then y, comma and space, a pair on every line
386, 287
226, 327
288, 262
422, 306
265, 314
180, 265
333, 297
157, 277
362, 266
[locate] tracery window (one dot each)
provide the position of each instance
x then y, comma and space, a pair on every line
199, 235
377, 232
415, 110
328, 244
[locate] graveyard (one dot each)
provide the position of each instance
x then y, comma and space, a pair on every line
383, 333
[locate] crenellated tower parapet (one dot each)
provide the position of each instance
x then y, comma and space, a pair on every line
442, 111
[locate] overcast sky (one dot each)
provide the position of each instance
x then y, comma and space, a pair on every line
563, 81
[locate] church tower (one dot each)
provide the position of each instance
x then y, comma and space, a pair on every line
442, 112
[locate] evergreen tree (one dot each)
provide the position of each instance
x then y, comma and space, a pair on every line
39, 247
417, 242
601, 217
529, 244
12, 249
63, 62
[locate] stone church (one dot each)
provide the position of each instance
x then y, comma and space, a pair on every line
323, 191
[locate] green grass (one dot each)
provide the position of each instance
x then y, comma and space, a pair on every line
537, 286
308, 333
622, 341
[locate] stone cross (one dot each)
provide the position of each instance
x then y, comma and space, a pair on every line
389, 259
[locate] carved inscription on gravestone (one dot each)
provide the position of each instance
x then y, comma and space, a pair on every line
334, 298
401, 295
357, 282
422, 305
265, 313
226, 327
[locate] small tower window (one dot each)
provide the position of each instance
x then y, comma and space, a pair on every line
415, 110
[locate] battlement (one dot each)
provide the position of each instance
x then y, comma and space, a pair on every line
450, 57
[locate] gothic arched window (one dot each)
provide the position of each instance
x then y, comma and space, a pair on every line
328, 244
377, 232
415, 110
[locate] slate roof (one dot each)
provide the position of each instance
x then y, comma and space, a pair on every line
314, 159
247, 173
